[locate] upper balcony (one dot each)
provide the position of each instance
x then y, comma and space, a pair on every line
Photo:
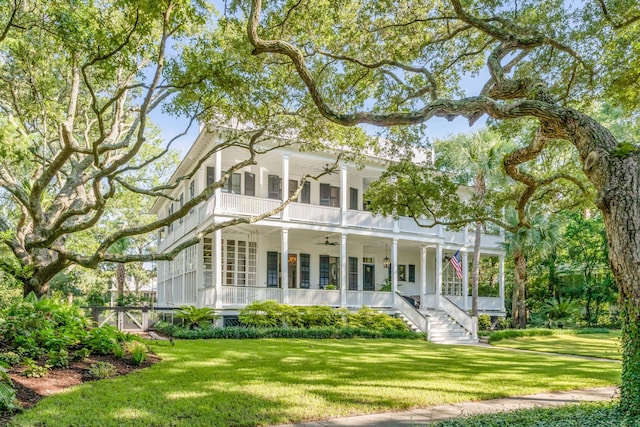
233, 205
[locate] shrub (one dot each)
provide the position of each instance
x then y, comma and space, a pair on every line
81, 354
104, 340
59, 359
484, 322
261, 314
138, 352
8, 400
102, 370
196, 316
318, 315
10, 358
33, 370
119, 351
367, 318
516, 333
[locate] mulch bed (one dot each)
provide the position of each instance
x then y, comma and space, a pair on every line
30, 390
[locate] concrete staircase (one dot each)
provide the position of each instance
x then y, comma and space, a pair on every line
444, 330
412, 326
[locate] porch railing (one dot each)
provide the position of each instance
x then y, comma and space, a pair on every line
410, 312
314, 297
243, 295
460, 316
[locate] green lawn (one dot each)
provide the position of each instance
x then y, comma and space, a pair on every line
271, 381
606, 345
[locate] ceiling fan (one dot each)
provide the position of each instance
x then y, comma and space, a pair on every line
327, 242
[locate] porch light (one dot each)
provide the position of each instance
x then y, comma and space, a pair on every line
386, 262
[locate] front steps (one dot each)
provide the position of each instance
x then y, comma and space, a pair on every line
444, 330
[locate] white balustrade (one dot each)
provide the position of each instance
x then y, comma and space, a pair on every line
243, 295
412, 314
314, 213
368, 220
354, 299
459, 315
206, 297
326, 297
377, 299
245, 205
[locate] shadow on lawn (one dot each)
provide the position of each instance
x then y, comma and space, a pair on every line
261, 382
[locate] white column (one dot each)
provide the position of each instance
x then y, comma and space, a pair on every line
501, 280
465, 280
218, 173
217, 267
438, 274
285, 186
394, 270
284, 268
343, 270
343, 193
423, 277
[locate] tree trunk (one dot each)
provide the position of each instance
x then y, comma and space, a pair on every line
519, 317
620, 204
475, 271
120, 279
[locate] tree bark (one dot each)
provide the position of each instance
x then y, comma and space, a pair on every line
475, 273
519, 315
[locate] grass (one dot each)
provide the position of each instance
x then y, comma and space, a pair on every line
272, 381
583, 415
605, 345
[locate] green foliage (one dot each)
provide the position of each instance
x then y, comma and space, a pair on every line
138, 352
8, 400
33, 370
102, 370
104, 340
271, 314
316, 332
625, 149
196, 317
59, 358
81, 354
484, 322
516, 333
559, 312
119, 351
368, 318
10, 358
36, 326
583, 415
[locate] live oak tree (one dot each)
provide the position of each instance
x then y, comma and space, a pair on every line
79, 157
401, 63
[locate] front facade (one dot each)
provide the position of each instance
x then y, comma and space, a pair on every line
323, 249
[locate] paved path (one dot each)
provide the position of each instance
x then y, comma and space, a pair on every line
420, 417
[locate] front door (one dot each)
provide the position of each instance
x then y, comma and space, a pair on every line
368, 279
293, 271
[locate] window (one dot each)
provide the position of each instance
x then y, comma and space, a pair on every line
305, 194
353, 273
293, 186
181, 205
305, 270
233, 184
161, 235
211, 175
402, 273
169, 213
353, 199
275, 187
273, 269
412, 273
192, 193
329, 271
366, 182
329, 195
238, 263
249, 184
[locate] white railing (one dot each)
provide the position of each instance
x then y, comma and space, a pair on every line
377, 299
314, 297
484, 303
354, 299
460, 316
367, 220
430, 301
314, 213
410, 312
243, 295
245, 205
408, 225
206, 297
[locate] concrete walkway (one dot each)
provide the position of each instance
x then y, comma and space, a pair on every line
420, 417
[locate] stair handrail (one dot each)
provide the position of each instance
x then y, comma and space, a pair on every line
470, 323
411, 313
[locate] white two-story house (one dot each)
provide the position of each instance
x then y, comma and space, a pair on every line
323, 249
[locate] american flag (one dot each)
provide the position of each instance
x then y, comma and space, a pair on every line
456, 264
